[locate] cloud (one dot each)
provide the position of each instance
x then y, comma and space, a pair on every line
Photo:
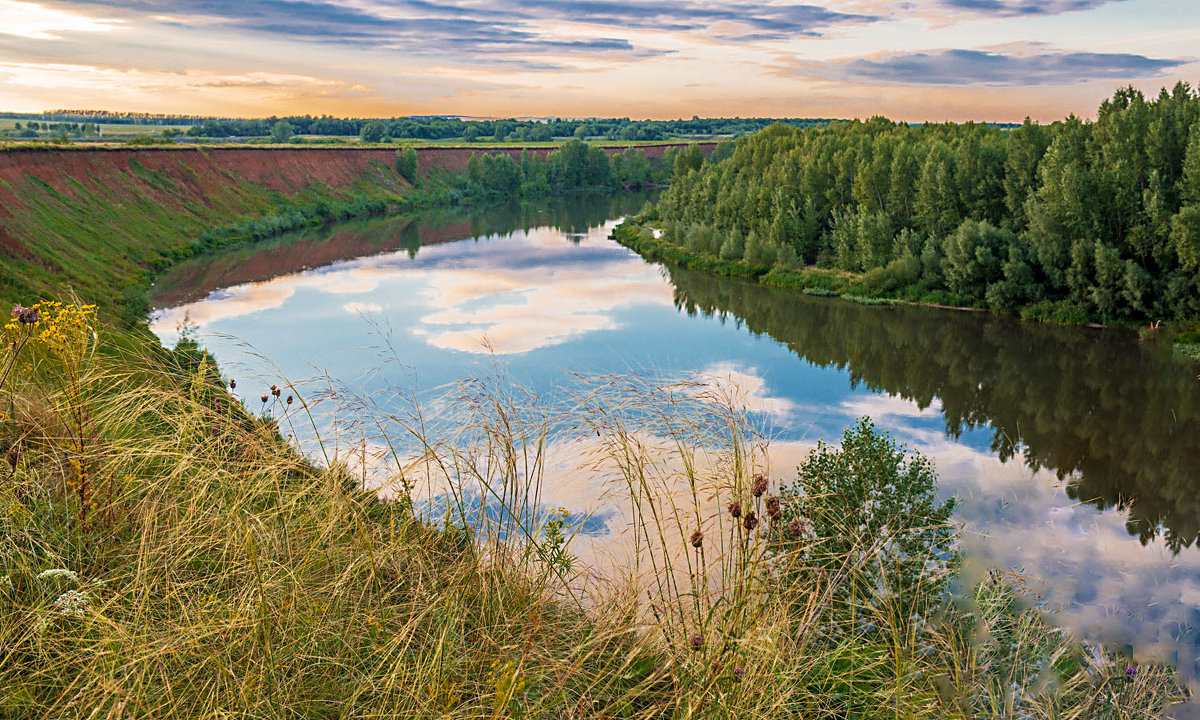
1017, 8
30, 20
477, 32
980, 67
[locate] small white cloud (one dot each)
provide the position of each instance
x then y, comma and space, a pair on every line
358, 308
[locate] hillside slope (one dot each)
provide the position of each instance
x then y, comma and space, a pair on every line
97, 220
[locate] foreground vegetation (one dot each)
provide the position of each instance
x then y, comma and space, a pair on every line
167, 553
1075, 222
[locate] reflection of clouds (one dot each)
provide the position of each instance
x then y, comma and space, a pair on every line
745, 387
518, 310
1097, 580
887, 408
504, 295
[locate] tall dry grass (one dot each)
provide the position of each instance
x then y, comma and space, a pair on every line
167, 553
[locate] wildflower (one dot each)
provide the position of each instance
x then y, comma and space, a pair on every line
697, 642
1131, 672
55, 573
750, 522
735, 509
760, 485
797, 527
233, 384
697, 539
773, 510
738, 672
72, 603
217, 403
214, 431
25, 315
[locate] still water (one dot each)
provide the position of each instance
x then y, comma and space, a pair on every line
1075, 453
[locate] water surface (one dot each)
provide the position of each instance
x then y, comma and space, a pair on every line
1075, 452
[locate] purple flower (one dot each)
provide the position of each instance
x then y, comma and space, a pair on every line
25, 315
697, 642
738, 672
1131, 672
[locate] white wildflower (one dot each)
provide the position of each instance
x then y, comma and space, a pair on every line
56, 573
72, 603
6, 582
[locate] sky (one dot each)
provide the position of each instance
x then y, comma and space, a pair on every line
913, 60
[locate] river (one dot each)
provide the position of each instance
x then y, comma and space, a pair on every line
1075, 453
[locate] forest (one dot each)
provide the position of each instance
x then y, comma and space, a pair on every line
1074, 221
447, 128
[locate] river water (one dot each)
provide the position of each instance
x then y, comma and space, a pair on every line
1075, 453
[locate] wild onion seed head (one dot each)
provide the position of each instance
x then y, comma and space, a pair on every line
760, 485
750, 522
773, 510
264, 399
697, 539
697, 642
25, 315
233, 384
797, 527
289, 399
735, 509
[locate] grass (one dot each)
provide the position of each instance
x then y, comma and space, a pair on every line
167, 553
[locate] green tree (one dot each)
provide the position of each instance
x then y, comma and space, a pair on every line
281, 132
373, 132
406, 164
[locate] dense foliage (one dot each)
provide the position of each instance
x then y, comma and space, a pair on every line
575, 165
444, 128
1075, 220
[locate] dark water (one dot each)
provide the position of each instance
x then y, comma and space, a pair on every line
1075, 452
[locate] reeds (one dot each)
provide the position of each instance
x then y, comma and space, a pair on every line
223, 571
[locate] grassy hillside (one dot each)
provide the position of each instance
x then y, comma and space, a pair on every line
164, 553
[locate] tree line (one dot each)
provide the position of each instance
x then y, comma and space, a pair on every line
572, 166
447, 128
1075, 221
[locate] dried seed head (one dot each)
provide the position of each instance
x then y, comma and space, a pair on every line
760, 485
735, 509
289, 399
773, 510
233, 384
13, 456
750, 522
25, 316
796, 527
697, 539
264, 398
697, 642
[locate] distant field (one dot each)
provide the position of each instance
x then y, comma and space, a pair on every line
116, 140
106, 129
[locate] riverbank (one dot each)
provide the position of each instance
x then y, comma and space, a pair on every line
100, 223
859, 287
